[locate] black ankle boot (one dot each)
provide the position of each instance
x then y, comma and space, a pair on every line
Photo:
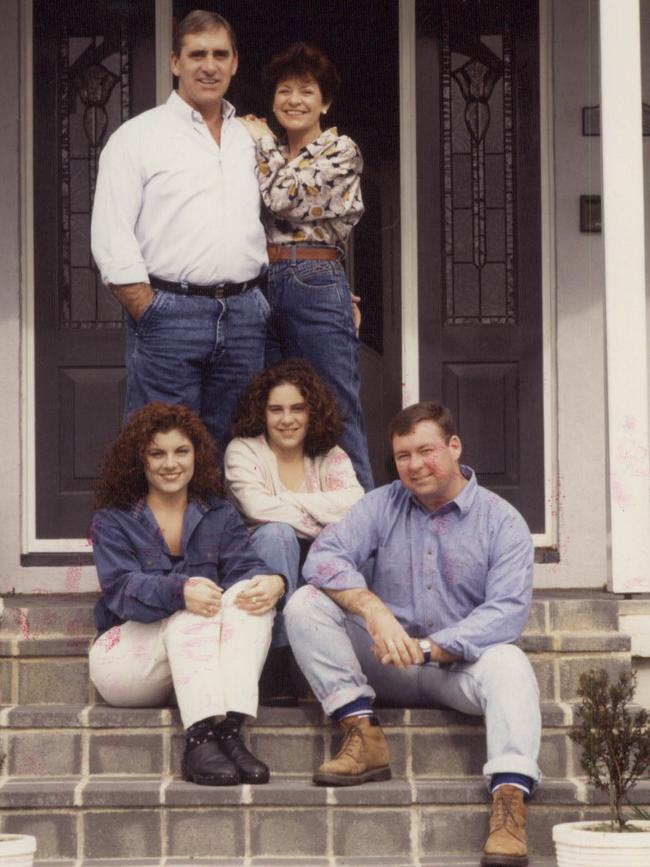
251, 770
276, 685
204, 762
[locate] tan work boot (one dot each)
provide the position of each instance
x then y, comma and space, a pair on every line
363, 755
506, 842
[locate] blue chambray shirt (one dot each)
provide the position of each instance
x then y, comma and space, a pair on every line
138, 579
461, 575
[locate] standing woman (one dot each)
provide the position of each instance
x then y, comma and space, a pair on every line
310, 185
186, 603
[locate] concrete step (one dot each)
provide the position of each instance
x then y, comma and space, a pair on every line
52, 615
58, 740
263, 861
44, 670
288, 818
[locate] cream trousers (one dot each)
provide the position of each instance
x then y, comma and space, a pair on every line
213, 664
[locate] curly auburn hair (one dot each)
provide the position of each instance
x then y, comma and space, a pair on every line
121, 480
325, 424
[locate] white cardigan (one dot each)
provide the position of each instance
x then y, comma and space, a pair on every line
254, 486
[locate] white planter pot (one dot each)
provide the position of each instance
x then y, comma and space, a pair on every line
577, 847
17, 850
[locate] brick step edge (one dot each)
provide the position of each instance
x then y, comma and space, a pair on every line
264, 861
307, 715
152, 791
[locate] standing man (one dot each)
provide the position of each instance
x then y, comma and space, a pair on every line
434, 625
176, 234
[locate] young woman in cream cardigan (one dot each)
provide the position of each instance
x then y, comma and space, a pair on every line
288, 478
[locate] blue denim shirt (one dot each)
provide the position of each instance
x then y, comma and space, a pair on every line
138, 579
461, 575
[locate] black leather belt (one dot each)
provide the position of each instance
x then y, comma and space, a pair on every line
216, 290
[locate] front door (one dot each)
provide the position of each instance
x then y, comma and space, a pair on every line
479, 236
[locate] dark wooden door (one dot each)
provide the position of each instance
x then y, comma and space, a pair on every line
480, 238
94, 66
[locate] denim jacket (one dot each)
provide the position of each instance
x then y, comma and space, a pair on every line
138, 579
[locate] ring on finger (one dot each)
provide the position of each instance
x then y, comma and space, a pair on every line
254, 600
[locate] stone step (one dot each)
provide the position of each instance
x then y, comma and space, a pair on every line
552, 612
89, 817
55, 670
59, 740
263, 861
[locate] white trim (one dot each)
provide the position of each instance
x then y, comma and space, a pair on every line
549, 277
408, 204
625, 298
164, 25
27, 375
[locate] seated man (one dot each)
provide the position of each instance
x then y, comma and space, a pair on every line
450, 590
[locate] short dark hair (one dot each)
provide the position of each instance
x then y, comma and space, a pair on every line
301, 60
121, 481
198, 21
325, 424
406, 419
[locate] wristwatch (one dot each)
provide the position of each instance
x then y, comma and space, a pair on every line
425, 647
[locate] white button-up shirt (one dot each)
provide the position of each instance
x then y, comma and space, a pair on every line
172, 203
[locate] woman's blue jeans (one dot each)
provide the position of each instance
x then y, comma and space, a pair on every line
311, 318
277, 544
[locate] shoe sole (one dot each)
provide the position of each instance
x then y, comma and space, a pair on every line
504, 860
207, 780
253, 780
375, 776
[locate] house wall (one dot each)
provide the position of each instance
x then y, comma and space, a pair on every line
581, 499
578, 282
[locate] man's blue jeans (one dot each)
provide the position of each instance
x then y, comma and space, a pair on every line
312, 319
201, 352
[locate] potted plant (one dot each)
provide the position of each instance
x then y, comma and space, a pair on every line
615, 741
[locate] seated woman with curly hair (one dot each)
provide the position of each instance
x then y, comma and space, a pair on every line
186, 601
288, 478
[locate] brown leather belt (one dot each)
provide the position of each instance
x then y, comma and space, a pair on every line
280, 252
217, 290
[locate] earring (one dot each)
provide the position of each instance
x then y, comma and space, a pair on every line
323, 111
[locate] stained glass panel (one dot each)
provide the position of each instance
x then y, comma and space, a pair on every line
94, 98
478, 175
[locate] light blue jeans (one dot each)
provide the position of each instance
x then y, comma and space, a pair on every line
333, 649
277, 544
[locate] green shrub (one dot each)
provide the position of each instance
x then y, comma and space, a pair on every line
615, 741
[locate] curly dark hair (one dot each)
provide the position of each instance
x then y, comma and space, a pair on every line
304, 61
121, 481
325, 420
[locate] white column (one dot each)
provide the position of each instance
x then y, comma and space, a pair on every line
408, 204
625, 302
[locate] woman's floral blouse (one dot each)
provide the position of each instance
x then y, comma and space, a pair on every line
315, 198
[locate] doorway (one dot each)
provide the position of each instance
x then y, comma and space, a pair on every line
94, 66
